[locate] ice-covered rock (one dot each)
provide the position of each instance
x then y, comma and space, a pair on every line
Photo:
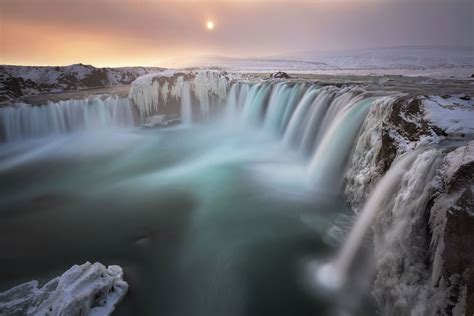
452, 226
423, 238
423, 234
390, 129
87, 289
400, 127
161, 93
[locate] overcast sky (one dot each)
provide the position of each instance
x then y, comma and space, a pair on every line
155, 32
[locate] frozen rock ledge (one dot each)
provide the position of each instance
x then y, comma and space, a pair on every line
87, 289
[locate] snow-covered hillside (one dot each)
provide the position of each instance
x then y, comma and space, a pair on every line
406, 57
17, 81
407, 60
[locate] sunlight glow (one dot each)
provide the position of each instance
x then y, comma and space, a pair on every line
210, 25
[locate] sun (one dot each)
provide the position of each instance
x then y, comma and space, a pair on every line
210, 25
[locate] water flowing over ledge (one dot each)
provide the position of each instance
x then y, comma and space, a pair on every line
392, 156
23, 121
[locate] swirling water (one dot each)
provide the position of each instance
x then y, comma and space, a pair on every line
205, 219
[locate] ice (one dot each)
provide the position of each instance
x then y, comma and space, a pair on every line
87, 289
151, 92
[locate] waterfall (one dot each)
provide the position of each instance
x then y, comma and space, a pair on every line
403, 284
293, 132
231, 104
278, 100
295, 96
335, 274
329, 161
24, 121
324, 127
254, 107
313, 120
186, 110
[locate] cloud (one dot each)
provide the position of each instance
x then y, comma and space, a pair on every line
111, 32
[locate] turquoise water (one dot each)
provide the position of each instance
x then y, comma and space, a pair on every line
204, 220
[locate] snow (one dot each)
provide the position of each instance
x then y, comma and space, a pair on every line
452, 114
87, 289
440, 62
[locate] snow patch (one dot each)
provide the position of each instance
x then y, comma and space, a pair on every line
452, 114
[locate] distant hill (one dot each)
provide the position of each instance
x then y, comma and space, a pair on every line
18, 81
404, 58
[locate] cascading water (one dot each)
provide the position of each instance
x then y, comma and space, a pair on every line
25, 121
186, 109
276, 105
314, 119
293, 132
328, 164
335, 274
204, 210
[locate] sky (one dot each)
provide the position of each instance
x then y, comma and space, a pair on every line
164, 32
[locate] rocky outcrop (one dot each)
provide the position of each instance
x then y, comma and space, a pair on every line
18, 81
87, 289
279, 75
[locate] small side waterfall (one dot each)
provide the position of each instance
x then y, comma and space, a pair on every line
25, 121
335, 274
186, 110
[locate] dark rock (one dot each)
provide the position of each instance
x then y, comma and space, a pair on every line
280, 75
407, 118
387, 153
97, 78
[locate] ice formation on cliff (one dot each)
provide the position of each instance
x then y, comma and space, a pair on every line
152, 92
